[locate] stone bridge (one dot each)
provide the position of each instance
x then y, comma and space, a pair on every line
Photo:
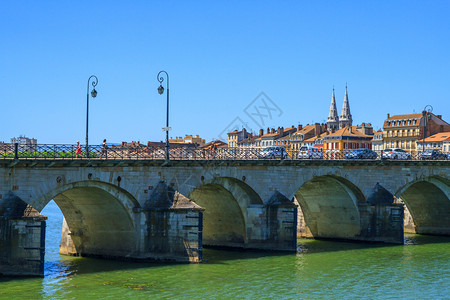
169, 210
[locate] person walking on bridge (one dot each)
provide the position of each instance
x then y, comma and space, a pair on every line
104, 147
78, 151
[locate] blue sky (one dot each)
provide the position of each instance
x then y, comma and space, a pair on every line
220, 55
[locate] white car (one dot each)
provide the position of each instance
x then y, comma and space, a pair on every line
309, 152
273, 152
395, 153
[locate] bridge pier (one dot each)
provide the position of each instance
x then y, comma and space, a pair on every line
272, 227
22, 239
67, 246
381, 218
281, 222
173, 226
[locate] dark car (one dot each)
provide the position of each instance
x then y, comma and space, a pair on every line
432, 154
361, 154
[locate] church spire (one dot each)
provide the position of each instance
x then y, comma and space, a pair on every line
333, 120
346, 117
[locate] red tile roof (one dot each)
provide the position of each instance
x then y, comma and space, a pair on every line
235, 131
346, 131
401, 117
317, 137
438, 137
305, 129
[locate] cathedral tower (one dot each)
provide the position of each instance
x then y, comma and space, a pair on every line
333, 121
346, 117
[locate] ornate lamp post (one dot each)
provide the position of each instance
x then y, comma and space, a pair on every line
93, 95
426, 116
161, 91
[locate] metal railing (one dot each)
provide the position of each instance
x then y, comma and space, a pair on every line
143, 152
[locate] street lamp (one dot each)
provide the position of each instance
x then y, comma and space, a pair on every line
93, 95
161, 91
426, 115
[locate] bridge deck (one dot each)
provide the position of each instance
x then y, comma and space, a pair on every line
8, 163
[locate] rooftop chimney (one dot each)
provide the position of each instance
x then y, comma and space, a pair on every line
317, 129
388, 116
299, 127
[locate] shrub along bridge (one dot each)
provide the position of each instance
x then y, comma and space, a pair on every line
168, 210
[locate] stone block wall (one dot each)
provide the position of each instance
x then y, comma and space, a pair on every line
22, 246
382, 223
276, 228
67, 247
174, 234
303, 230
256, 224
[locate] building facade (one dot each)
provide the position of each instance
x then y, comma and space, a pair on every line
305, 133
377, 141
188, 138
272, 135
403, 131
25, 144
346, 139
236, 136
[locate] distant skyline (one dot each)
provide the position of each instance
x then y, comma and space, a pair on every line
231, 63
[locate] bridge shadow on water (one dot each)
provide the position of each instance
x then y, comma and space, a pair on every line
310, 246
66, 266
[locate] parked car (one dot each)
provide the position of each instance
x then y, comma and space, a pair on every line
361, 154
310, 152
395, 153
273, 152
432, 154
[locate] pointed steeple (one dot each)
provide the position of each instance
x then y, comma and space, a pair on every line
333, 120
346, 117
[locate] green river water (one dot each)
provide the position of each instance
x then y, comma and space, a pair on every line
420, 269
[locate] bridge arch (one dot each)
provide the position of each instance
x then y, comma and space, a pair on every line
225, 218
428, 201
99, 215
330, 207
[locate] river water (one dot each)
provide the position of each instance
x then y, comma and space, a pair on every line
321, 269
